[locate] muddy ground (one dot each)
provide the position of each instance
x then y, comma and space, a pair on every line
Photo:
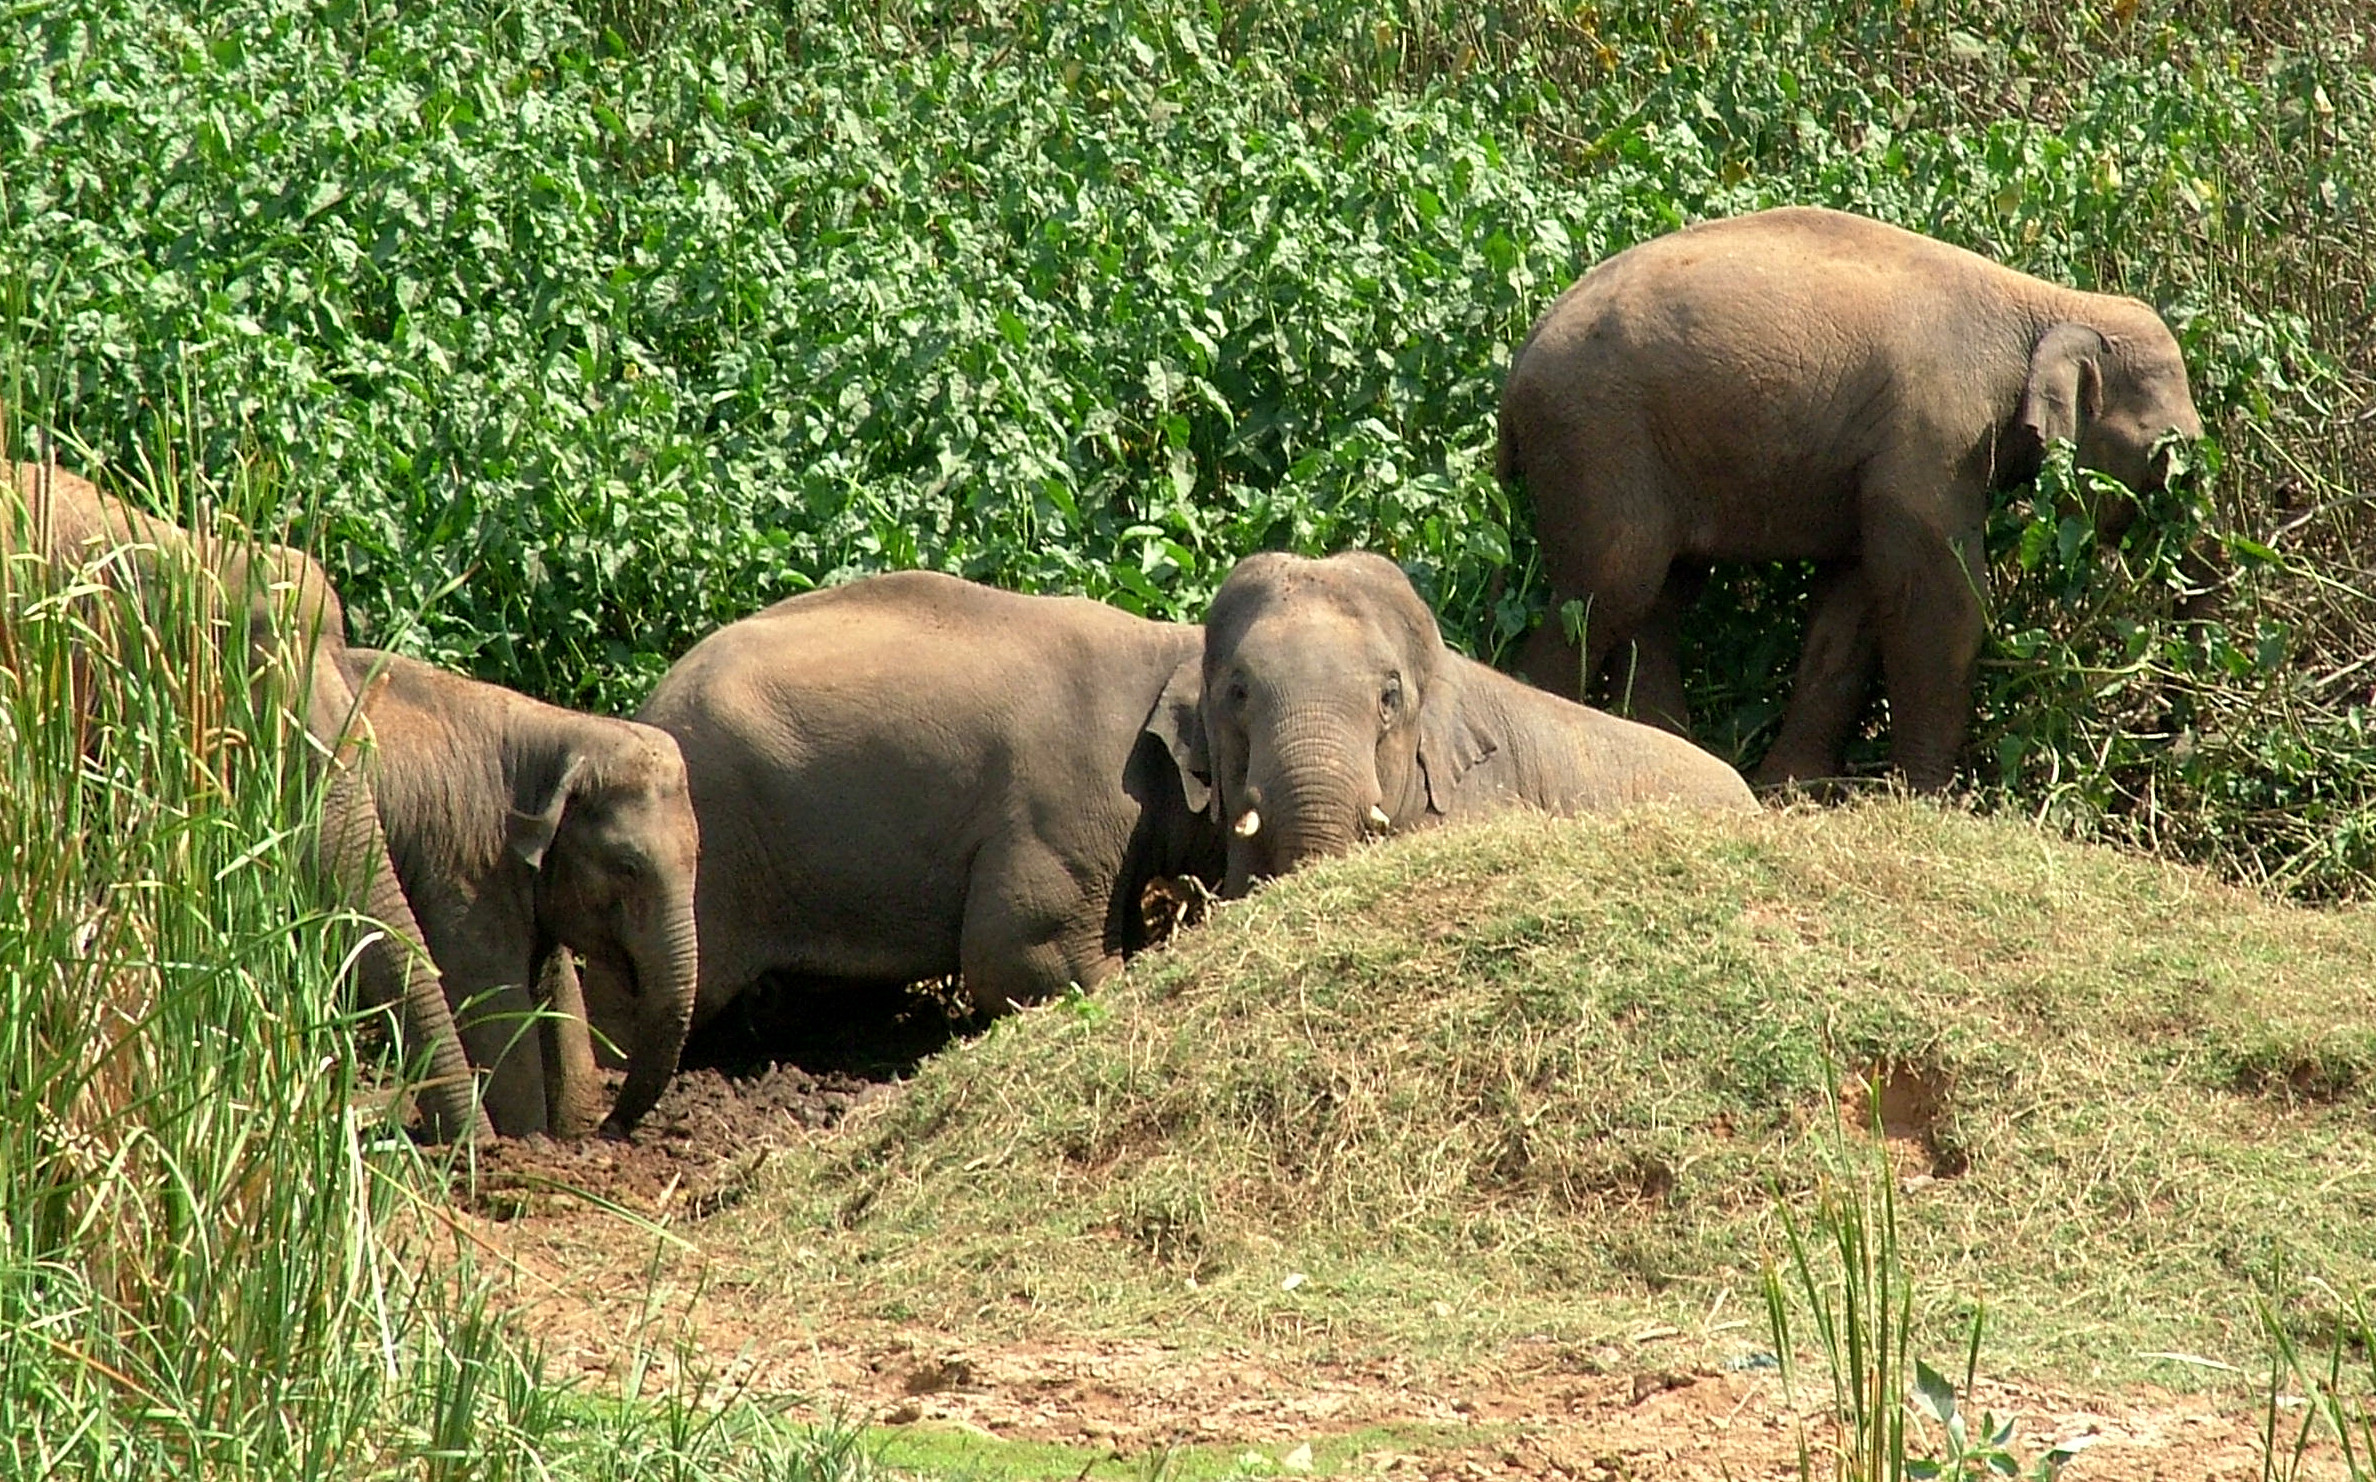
786, 1060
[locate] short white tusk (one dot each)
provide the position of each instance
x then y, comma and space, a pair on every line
1249, 826
1378, 819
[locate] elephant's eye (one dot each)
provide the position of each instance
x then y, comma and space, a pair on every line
1237, 693
1390, 697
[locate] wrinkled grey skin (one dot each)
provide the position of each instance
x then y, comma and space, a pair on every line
524, 833
1805, 384
296, 632
912, 776
1332, 709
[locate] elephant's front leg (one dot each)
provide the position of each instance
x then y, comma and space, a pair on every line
572, 1084
1834, 674
1928, 589
498, 1022
1030, 931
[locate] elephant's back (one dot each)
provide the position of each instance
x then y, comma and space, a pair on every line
1779, 262
917, 648
1786, 294
1571, 758
69, 514
937, 708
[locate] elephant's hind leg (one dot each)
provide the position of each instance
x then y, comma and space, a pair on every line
1607, 545
1835, 673
1645, 677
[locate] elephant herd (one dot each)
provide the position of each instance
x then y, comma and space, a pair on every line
914, 776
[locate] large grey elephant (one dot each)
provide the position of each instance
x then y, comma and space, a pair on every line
296, 635
1805, 384
530, 839
912, 776
1332, 709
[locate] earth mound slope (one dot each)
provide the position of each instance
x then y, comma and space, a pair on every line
1555, 1077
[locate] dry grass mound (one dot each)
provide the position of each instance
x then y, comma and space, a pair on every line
1547, 1077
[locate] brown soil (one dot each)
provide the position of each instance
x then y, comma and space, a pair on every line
785, 1058
692, 1156
604, 1308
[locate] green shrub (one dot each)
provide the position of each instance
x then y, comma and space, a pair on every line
590, 329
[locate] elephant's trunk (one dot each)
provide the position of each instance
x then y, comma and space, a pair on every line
395, 969
667, 970
1315, 789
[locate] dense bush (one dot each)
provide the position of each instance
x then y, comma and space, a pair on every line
575, 332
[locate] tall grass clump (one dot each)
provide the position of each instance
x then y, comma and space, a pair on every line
202, 1272
2321, 1397
181, 1152
218, 1256
1845, 1269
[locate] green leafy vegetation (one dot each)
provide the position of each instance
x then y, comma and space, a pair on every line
580, 331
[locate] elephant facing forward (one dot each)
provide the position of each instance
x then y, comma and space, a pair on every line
1804, 384
1332, 709
912, 776
525, 834
295, 630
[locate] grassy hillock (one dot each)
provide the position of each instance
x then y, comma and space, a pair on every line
1551, 1077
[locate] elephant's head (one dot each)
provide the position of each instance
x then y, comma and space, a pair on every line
2114, 393
1329, 709
607, 824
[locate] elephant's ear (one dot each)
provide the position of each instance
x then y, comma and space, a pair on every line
2066, 384
1450, 738
1178, 722
537, 807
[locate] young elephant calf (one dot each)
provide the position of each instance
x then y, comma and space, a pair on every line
519, 828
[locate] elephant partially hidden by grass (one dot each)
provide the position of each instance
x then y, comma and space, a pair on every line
912, 776
531, 839
1333, 709
281, 603
1803, 384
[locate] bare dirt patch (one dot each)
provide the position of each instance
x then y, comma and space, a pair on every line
786, 1058
1909, 1102
683, 1316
